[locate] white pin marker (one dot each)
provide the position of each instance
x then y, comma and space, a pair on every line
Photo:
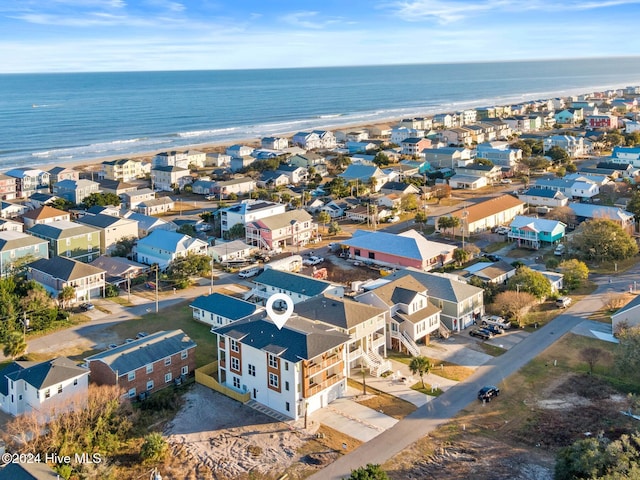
279, 318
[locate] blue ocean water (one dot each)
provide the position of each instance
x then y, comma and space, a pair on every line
57, 118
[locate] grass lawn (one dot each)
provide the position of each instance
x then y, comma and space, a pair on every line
427, 390
608, 268
492, 350
441, 368
178, 316
494, 247
381, 401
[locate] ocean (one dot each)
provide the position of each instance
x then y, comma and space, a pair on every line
50, 119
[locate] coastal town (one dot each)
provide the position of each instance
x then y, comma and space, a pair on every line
460, 284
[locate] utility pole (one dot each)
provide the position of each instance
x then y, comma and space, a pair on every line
156, 288
129, 287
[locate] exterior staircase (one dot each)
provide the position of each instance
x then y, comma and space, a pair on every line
377, 365
267, 411
444, 331
411, 346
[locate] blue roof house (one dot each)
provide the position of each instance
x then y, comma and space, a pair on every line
218, 309
163, 247
532, 232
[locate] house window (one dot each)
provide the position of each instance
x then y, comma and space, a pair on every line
234, 345
286, 386
47, 393
286, 366
273, 380
149, 368
273, 361
235, 363
372, 255
167, 361
356, 252
60, 388
184, 355
132, 393
287, 406
236, 382
131, 376
167, 377
252, 370
150, 385
184, 370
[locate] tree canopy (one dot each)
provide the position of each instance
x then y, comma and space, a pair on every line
513, 304
532, 281
575, 273
633, 205
558, 154
101, 200
603, 240
370, 472
123, 247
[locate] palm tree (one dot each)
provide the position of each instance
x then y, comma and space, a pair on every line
67, 294
420, 365
15, 345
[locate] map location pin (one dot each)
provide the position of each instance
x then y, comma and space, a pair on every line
279, 318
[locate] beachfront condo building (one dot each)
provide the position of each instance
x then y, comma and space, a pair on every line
123, 170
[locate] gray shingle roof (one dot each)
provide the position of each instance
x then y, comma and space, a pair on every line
299, 339
64, 268
440, 287
225, 306
292, 282
102, 221
341, 312
45, 374
61, 229
10, 240
131, 356
28, 471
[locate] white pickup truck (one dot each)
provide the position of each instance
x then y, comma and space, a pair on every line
495, 320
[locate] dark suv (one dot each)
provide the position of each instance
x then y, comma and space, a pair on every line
488, 392
496, 330
481, 333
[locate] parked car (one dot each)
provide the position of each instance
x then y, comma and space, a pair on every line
494, 329
313, 260
249, 272
505, 180
481, 333
559, 249
495, 320
503, 230
85, 307
563, 302
142, 334
488, 392
493, 258
111, 346
393, 219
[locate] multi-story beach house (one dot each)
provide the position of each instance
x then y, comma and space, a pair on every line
156, 206
112, 229
499, 153
294, 370
218, 160
44, 215
239, 151
274, 143
295, 227
124, 170
248, 211
180, 159
400, 134
307, 140
146, 365
17, 249
29, 181
581, 188
298, 287
532, 232
7, 187
69, 239
162, 247
574, 146
57, 174
447, 157
238, 186
56, 273
544, 197
170, 177
414, 145
43, 388
135, 197
630, 155
75, 190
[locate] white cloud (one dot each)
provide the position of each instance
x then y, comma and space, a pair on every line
309, 20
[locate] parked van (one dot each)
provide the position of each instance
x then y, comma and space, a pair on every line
559, 249
563, 302
249, 272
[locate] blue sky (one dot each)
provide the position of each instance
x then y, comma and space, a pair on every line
117, 35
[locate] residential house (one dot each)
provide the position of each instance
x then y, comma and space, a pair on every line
10, 226
627, 316
136, 197
405, 169
571, 188
485, 112
487, 214
180, 159
477, 133
603, 121
624, 170
460, 304
272, 179
499, 153
327, 139
308, 140
167, 178
12, 210
597, 178
44, 215
414, 145
17, 248
365, 325
42, 388
112, 229
574, 146
294, 370
38, 200
468, 182
333, 209
411, 318
569, 115
544, 197
118, 187
308, 160
295, 173
501, 129
239, 151
360, 147
364, 174
218, 309
488, 272
274, 143
493, 173
57, 174
156, 206
589, 211
223, 252
298, 287
399, 188
29, 181
237, 186
443, 120
146, 365
163, 247
7, 187
239, 163
69, 239
368, 213
217, 160
457, 136
295, 227
123, 170
248, 211
447, 156
389, 202
407, 249
626, 155
533, 232
75, 190
56, 273
147, 223
99, 210
380, 131
119, 270
399, 134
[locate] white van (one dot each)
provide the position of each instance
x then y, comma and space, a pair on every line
563, 302
249, 272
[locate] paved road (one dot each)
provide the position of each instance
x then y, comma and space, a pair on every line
439, 411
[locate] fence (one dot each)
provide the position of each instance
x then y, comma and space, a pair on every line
207, 376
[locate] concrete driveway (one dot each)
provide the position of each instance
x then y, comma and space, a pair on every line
456, 349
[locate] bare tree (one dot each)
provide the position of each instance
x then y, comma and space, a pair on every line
592, 355
514, 304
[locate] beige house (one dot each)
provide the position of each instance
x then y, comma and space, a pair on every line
482, 216
123, 170
155, 206
44, 215
165, 178
112, 229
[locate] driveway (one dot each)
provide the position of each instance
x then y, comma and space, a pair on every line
457, 349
